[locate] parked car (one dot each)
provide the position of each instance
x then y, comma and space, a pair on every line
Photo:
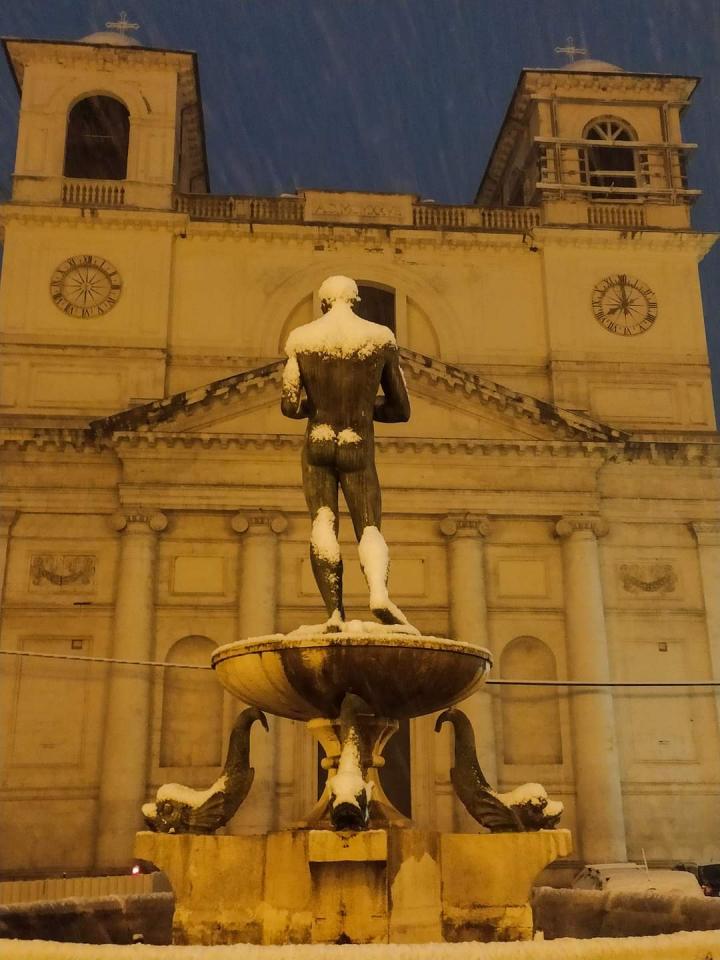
634, 877
709, 878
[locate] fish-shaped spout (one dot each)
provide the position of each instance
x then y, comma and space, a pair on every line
525, 808
180, 809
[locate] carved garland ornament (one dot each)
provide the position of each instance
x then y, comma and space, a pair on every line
648, 578
62, 570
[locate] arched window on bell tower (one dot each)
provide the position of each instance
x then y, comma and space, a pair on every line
98, 133
610, 164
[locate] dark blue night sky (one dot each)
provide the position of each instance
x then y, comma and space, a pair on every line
392, 95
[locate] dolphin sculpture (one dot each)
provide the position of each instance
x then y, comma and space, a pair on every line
350, 792
525, 808
180, 809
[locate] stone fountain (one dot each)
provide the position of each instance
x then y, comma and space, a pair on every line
356, 870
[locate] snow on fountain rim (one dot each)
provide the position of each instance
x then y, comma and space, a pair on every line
371, 635
668, 946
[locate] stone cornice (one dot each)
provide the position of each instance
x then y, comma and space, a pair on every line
507, 401
704, 453
565, 82
120, 218
42, 348
144, 417
24, 51
568, 236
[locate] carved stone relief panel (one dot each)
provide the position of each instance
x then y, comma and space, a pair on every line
647, 578
67, 572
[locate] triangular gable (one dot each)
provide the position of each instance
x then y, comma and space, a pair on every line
446, 401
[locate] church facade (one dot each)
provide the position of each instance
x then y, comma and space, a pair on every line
554, 497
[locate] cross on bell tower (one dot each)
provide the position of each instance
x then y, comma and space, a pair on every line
123, 25
570, 50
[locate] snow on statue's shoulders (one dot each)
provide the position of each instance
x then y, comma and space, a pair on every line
339, 333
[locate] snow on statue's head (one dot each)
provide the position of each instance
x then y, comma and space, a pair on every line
338, 290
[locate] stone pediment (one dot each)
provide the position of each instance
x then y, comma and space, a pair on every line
447, 402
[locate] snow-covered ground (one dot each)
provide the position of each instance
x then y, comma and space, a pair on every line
676, 946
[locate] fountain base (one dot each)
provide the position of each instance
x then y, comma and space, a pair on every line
380, 886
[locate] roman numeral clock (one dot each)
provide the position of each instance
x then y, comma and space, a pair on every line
624, 305
85, 286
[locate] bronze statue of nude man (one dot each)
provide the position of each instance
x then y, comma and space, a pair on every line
335, 367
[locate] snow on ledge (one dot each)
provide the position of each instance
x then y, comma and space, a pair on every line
675, 946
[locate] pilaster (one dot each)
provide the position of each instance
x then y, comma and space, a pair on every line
600, 820
7, 519
707, 534
466, 533
272, 755
123, 779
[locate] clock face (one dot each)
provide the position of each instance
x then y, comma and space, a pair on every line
85, 286
624, 305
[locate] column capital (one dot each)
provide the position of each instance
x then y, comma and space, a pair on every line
465, 525
707, 532
581, 523
153, 520
7, 519
259, 522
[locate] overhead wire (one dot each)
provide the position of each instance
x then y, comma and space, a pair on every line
638, 684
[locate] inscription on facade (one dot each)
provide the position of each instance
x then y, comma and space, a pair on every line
357, 208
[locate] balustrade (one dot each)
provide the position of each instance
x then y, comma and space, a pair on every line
93, 193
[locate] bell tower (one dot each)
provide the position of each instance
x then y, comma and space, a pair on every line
109, 131
595, 145
105, 118
599, 152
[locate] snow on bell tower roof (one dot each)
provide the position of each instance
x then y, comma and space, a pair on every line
593, 66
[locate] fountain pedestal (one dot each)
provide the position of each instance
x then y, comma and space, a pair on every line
379, 886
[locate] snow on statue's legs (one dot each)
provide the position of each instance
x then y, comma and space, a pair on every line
327, 564
375, 563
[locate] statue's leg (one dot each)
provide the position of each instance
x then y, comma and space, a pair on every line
321, 494
362, 495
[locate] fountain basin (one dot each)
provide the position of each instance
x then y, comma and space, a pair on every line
306, 677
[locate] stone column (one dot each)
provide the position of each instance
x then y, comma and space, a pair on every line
466, 534
707, 535
257, 606
600, 821
7, 518
7, 667
123, 777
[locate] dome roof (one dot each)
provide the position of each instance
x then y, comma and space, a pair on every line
593, 66
111, 38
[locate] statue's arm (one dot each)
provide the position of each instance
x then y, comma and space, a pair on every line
293, 404
394, 406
